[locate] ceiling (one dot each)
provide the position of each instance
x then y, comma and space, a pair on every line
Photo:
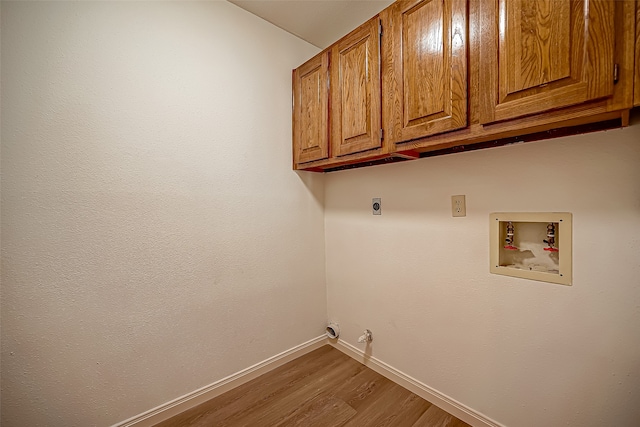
320, 22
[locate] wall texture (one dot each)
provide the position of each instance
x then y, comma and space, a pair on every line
154, 237
523, 353
155, 240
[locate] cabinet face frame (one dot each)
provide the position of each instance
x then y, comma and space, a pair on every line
424, 68
355, 91
562, 56
311, 110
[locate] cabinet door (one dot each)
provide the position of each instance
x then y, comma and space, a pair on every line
311, 110
355, 91
425, 68
538, 55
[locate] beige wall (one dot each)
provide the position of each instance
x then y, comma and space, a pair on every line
524, 353
155, 240
154, 237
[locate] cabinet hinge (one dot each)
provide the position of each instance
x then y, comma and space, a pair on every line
380, 29
616, 73
381, 134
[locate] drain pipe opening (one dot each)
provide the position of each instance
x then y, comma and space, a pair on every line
333, 331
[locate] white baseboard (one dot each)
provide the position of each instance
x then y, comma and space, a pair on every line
441, 400
190, 400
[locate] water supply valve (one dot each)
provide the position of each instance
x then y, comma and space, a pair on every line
367, 337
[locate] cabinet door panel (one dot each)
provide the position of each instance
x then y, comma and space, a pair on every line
539, 55
311, 110
425, 66
355, 91
423, 61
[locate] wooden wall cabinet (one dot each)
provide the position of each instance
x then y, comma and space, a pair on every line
355, 91
311, 110
428, 75
425, 62
540, 55
337, 111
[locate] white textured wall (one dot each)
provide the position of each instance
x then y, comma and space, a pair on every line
154, 237
524, 353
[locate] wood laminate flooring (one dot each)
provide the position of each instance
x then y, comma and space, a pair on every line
324, 388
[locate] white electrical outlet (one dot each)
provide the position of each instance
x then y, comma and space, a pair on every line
458, 206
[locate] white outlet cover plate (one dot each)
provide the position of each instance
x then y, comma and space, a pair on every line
458, 205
